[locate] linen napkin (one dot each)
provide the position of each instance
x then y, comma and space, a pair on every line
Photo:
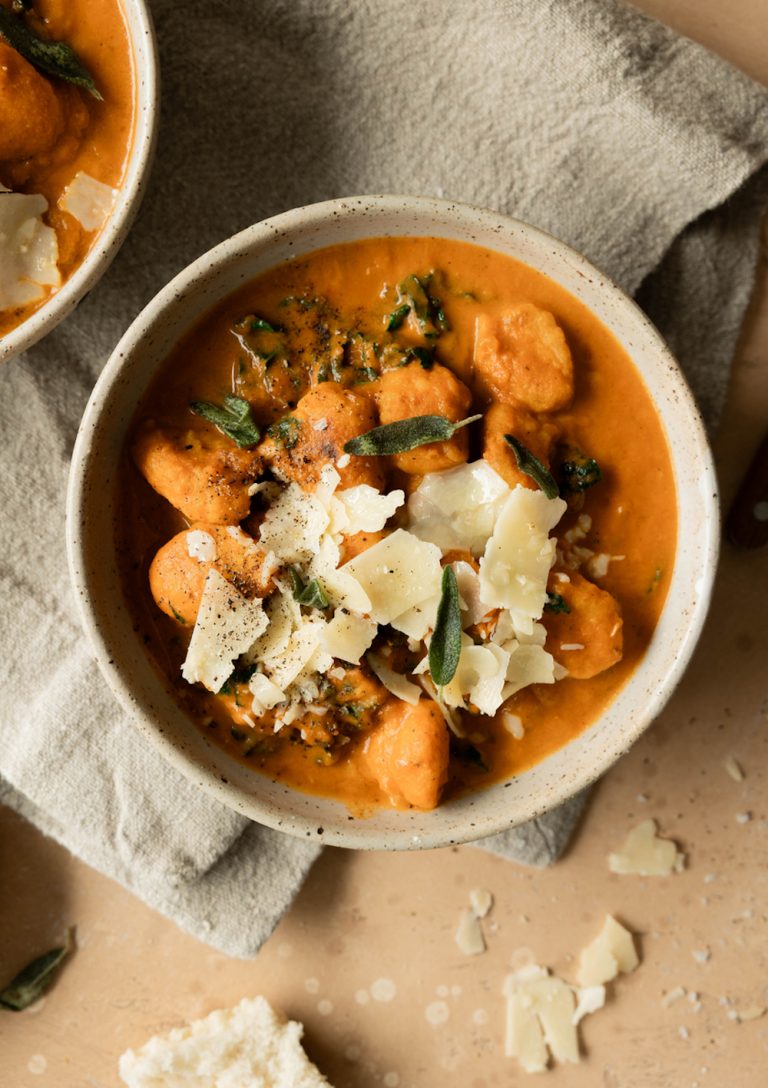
582, 116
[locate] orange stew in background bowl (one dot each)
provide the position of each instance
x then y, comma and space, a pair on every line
66, 122
397, 520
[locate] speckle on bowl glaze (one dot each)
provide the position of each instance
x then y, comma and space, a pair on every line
108, 624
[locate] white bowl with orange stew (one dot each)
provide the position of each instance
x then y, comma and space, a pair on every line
392, 522
78, 108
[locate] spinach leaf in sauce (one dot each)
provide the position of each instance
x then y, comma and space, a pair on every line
285, 431
53, 58
234, 419
404, 435
415, 295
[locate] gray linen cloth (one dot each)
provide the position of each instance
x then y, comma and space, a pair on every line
633, 144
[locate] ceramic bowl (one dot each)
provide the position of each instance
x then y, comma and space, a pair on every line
91, 510
141, 36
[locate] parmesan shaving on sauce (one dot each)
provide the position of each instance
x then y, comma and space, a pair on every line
30, 251
396, 581
88, 200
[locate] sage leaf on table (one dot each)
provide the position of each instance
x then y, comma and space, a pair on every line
54, 58
235, 419
404, 435
533, 467
445, 646
33, 980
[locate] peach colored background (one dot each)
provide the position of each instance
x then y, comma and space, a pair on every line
362, 918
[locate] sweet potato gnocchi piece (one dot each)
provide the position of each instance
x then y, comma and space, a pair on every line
522, 357
31, 113
587, 639
408, 753
357, 543
537, 435
313, 436
413, 391
177, 573
203, 479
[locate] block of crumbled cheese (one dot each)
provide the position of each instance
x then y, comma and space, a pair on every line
29, 250
266, 694
469, 935
250, 1046
397, 573
296, 520
479, 678
393, 681
540, 1011
364, 509
527, 664
88, 200
645, 854
458, 508
201, 546
347, 636
518, 556
612, 951
227, 625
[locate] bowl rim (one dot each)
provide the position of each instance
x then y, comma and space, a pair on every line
208, 264
142, 41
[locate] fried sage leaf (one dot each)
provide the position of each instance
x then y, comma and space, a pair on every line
54, 58
556, 603
445, 647
578, 472
235, 419
404, 435
312, 594
533, 467
33, 980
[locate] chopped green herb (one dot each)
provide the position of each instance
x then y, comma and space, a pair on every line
178, 616
445, 647
404, 435
533, 467
398, 316
578, 472
365, 374
34, 979
54, 58
655, 580
556, 603
313, 595
241, 675
260, 324
424, 355
234, 419
285, 431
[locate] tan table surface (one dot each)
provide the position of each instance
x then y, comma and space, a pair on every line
364, 917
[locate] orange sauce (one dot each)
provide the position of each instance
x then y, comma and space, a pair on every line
97, 134
612, 417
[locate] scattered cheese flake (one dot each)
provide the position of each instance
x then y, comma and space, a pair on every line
571, 645
540, 1010
683, 1032
458, 508
393, 681
517, 558
672, 996
320, 425
343, 461
588, 999
733, 768
611, 952
227, 625
598, 565
754, 1012
88, 200
344, 591
481, 901
645, 854
29, 248
295, 522
304, 645
469, 935
348, 636
701, 955
201, 546
397, 573
513, 724
528, 664
468, 580
743, 817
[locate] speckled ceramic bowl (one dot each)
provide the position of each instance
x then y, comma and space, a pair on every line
91, 509
141, 35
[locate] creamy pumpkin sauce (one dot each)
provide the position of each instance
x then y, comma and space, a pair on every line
96, 135
632, 509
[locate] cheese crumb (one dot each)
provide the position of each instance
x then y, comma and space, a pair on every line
645, 854
612, 951
701, 955
743, 817
469, 935
734, 769
201, 546
481, 901
672, 996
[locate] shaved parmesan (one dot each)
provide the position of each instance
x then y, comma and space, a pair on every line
348, 636
458, 508
227, 625
88, 200
469, 935
479, 678
393, 681
283, 614
303, 646
293, 525
201, 546
29, 248
266, 694
472, 608
645, 854
343, 589
366, 510
540, 1012
515, 566
588, 999
481, 901
418, 621
612, 951
527, 664
397, 573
